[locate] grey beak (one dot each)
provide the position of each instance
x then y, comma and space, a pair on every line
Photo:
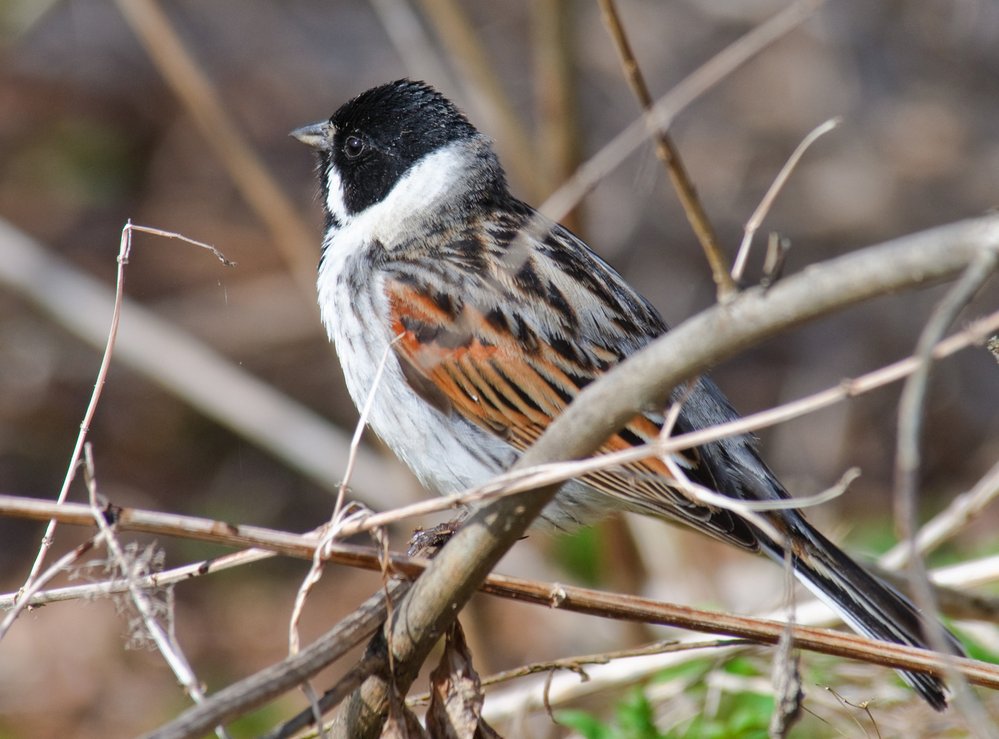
315, 135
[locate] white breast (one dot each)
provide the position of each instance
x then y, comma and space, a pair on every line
447, 454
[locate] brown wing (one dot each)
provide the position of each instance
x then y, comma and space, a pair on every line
495, 372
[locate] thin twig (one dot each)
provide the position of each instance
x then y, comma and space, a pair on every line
750, 509
330, 533
124, 247
961, 512
362, 421
124, 250
907, 465
576, 664
195, 91
166, 646
669, 155
22, 598
151, 581
195, 373
669, 105
236, 699
755, 220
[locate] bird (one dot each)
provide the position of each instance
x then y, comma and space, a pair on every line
465, 321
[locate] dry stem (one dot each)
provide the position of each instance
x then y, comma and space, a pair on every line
669, 155
196, 92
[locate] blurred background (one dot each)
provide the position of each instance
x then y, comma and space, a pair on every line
225, 398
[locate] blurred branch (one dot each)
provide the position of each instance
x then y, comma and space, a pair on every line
558, 116
412, 43
194, 372
665, 109
482, 83
295, 240
670, 156
19, 17
961, 511
645, 380
911, 407
981, 571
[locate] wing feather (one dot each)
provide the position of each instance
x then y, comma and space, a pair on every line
481, 358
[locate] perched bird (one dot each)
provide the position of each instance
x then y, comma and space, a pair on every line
489, 319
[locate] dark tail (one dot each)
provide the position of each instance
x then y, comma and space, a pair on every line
872, 607
869, 605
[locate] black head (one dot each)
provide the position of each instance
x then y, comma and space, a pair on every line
373, 140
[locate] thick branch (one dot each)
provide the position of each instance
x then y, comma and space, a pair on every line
234, 700
645, 380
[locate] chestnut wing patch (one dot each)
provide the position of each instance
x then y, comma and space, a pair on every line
492, 369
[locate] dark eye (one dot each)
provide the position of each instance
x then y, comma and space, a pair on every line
353, 147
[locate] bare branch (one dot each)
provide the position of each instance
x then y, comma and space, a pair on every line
645, 380
412, 43
907, 465
195, 372
670, 104
124, 250
258, 689
195, 91
558, 121
949, 521
669, 155
755, 220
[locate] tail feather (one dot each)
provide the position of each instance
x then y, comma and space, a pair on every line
869, 605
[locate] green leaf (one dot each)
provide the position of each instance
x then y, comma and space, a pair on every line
588, 725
